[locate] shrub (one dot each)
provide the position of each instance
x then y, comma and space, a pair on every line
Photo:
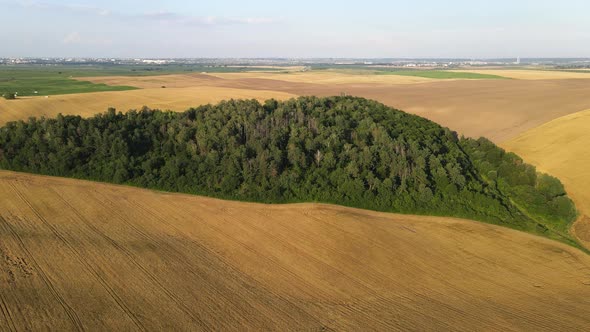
9, 95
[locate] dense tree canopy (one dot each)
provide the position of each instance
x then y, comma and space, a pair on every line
342, 150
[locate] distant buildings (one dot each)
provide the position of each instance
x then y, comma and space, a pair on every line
157, 62
304, 62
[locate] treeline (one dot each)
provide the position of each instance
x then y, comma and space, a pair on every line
541, 196
341, 150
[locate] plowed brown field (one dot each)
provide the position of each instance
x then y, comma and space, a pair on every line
79, 255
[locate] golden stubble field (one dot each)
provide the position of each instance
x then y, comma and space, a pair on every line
89, 104
79, 255
497, 109
500, 110
561, 147
531, 74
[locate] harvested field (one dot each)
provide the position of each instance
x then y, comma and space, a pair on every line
525, 74
315, 77
80, 255
496, 109
88, 104
560, 147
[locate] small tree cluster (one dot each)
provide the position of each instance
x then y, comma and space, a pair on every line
9, 95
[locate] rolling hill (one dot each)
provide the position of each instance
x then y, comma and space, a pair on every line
561, 148
81, 255
89, 104
341, 150
496, 109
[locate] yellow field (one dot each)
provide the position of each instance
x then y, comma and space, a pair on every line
88, 104
79, 255
329, 77
525, 74
315, 77
497, 109
560, 147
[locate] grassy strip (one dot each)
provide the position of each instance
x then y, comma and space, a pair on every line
40, 82
119, 70
56, 80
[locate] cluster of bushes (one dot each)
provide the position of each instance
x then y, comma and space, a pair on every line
9, 95
342, 150
539, 195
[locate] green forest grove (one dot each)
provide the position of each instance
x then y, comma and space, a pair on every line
343, 150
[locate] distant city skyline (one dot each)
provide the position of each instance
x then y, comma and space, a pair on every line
302, 29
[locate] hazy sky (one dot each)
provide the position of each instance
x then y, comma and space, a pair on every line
303, 28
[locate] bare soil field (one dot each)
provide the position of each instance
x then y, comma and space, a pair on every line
560, 147
88, 104
77, 255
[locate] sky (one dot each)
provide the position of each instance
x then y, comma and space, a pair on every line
299, 29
